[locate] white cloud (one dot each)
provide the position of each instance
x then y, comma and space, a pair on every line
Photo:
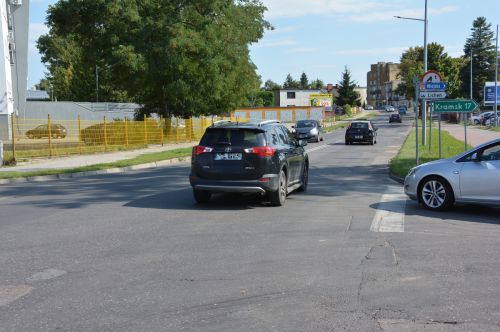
274, 42
280, 30
373, 51
365, 11
303, 49
37, 29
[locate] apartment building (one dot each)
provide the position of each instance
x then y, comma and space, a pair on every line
382, 80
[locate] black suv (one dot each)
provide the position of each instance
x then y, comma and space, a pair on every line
361, 131
250, 157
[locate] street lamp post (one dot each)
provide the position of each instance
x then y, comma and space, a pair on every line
496, 80
424, 103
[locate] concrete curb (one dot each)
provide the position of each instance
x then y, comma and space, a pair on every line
75, 175
395, 178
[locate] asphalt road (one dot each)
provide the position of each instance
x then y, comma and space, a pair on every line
134, 252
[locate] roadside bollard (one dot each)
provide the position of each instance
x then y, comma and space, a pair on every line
1, 153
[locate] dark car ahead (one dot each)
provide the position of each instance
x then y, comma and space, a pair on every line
56, 130
249, 158
396, 118
309, 130
361, 132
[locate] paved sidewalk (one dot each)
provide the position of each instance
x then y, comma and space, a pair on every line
98, 158
475, 136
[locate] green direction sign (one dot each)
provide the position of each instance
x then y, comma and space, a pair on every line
455, 106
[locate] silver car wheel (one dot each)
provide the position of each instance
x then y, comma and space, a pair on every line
433, 194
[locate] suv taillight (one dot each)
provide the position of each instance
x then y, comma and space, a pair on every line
349, 126
262, 151
197, 150
369, 126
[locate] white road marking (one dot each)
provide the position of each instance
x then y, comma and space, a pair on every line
316, 148
390, 216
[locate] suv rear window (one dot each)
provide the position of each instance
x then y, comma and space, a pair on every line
360, 125
239, 137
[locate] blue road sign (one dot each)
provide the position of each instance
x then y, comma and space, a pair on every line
434, 86
489, 95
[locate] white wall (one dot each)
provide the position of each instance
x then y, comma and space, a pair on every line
301, 97
6, 99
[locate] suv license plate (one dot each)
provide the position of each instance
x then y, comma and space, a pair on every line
228, 156
358, 136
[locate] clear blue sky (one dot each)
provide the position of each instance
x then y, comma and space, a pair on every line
320, 37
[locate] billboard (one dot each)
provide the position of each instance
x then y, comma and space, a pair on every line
324, 100
489, 94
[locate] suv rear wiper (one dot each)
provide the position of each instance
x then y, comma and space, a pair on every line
222, 143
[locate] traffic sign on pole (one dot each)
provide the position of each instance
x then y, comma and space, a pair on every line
455, 106
432, 77
434, 86
432, 95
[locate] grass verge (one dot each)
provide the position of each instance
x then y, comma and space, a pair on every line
489, 128
141, 159
405, 160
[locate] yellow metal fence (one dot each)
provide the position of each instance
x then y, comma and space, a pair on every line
26, 138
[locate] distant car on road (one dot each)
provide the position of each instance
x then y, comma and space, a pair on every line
309, 130
387, 108
56, 130
396, 118
402, 110
472, 177
361, 132
368, 107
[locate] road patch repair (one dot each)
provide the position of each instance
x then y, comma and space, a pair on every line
390, 215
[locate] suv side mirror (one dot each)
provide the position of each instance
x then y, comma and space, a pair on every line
302, 143
474, 157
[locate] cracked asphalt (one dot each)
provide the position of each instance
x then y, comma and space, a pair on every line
133, 252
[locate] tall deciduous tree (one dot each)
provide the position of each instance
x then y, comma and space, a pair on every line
347, 92
180, 57
412, 62
483, 58
270, 85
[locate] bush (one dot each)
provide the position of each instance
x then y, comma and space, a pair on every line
348, 110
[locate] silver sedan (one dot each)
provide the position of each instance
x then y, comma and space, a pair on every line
471, 177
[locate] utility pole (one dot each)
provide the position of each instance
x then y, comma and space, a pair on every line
496, 81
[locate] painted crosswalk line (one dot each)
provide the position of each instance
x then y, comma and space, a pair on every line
390, 215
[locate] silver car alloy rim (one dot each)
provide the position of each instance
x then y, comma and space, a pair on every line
282, 187
433, 194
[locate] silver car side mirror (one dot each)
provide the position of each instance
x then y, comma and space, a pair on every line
474, 157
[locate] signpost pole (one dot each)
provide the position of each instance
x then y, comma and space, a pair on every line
430, 127
465, 129
415, 80
439, 121
496, 80
424, 104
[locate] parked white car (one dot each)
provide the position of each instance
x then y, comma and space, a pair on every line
477, 119
472, 177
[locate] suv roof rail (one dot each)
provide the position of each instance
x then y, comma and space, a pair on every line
268, 121
220, 122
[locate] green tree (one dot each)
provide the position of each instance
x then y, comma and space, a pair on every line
180, 57
304, 81
317, 83
483, 59
412, 62
347, 92
270, 85
72, 75
261, 99
44, 85
290, 82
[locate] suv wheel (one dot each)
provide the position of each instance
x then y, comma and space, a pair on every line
436, 194
278, 197
305, 178
201, 196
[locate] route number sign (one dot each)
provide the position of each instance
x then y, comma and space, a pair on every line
432, 77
